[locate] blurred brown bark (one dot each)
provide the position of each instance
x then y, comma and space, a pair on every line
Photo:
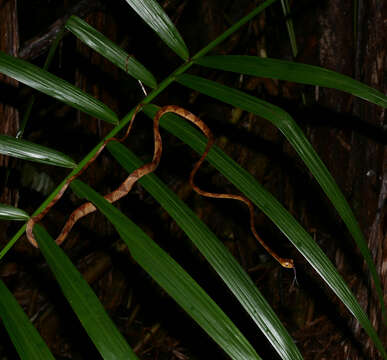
9, 115
358, 158
39, 44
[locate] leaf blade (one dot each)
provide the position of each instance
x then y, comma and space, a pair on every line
98, 325
154, 16
23, 334
52, 85
27, 150
8, 212
295, 72
98, 42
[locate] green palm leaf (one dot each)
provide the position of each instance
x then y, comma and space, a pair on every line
284, 122
173, 279
90, 312
51, 85
292, 71
246, 183
98, 42
217, 255
27, 150
8, 212
154, 15
24, 336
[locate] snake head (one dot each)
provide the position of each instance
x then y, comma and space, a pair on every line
287, 263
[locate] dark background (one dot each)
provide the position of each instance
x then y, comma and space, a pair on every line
348, 133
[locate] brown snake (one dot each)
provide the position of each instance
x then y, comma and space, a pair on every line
137, 174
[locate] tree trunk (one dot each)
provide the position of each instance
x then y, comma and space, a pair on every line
355, 152
9, 115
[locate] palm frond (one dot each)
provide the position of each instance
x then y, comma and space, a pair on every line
161, 267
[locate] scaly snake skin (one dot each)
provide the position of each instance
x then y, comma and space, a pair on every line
137, 174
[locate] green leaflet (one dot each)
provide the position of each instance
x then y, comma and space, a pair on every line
216, 254
154, 15
90, 312
27, 150
173, 279
8, 212
292, 71
26, 339
98, 42
51, 85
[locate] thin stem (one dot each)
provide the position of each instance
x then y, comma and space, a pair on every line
233, 28
46, 65
290, 27
162, 86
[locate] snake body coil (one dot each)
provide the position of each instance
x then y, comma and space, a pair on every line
137, 174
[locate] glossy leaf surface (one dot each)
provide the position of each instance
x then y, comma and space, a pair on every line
90, 312
54, 86
155, 17
23, 334
8, 212
27, 150
295, 72
100, 43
